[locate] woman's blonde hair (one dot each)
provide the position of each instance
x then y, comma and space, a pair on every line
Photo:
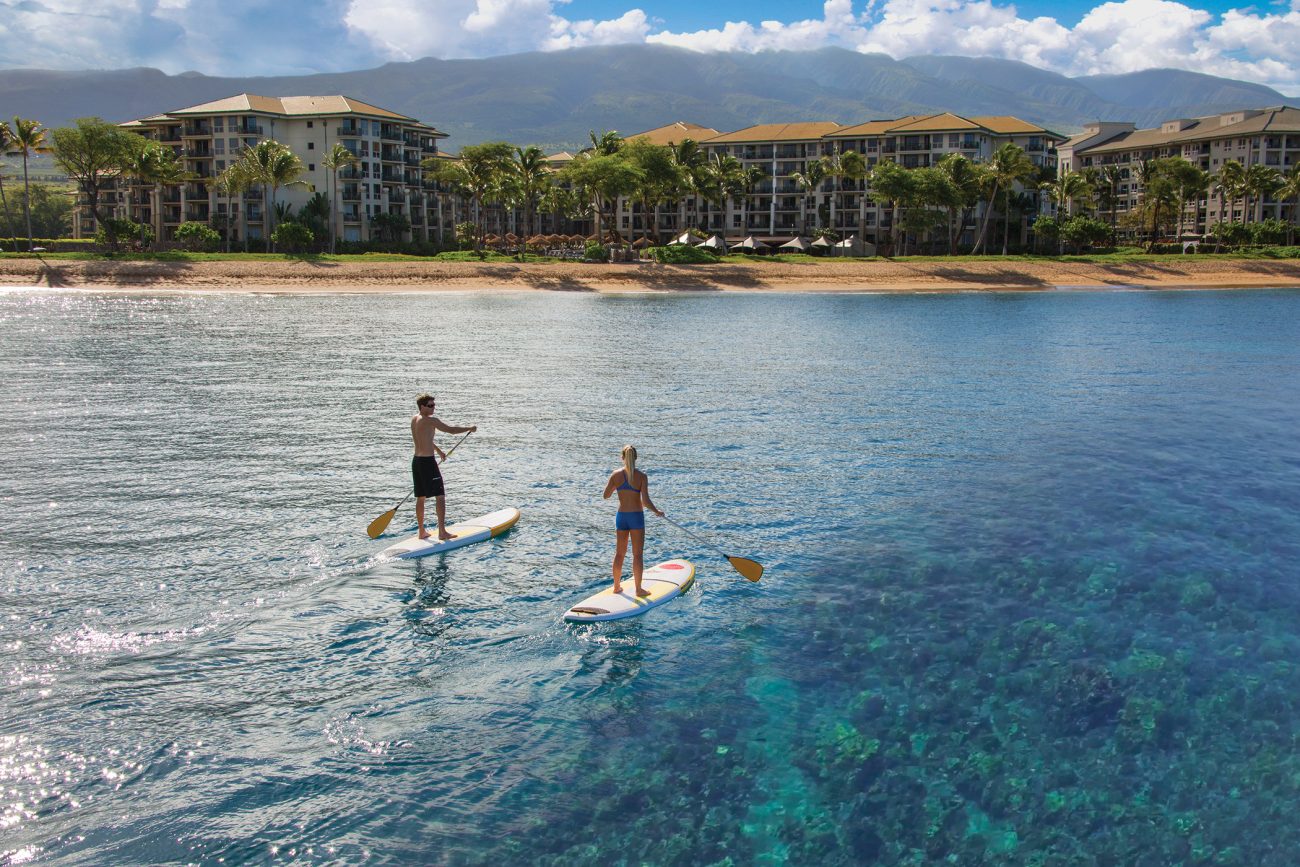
629, 464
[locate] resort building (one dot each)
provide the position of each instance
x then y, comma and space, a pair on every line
387, 177
1260, 136
779, 206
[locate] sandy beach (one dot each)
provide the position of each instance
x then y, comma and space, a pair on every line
875, 275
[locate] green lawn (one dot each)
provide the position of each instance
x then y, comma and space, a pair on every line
1124, 256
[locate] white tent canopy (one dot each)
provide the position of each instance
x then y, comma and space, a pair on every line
822, 242
853, 246
751, 243
683, 238
714, 243
800, 244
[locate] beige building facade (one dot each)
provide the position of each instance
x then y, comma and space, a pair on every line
207, 138
1260, 136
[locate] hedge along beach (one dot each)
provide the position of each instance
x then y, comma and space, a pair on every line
879, 275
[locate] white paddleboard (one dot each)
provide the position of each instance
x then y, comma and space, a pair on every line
465, 533
665, 582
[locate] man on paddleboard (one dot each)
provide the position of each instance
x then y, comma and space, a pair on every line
424, 466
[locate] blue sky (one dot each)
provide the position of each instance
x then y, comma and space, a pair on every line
1258, 42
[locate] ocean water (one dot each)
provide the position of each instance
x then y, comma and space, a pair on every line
1032, 591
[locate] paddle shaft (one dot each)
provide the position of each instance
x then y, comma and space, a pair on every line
697, 538
380, 524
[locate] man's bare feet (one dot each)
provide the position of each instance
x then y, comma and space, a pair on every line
444, 535
618, 588
643, 593
424, 534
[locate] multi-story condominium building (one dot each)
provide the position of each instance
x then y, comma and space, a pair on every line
387, 177
779, 206
1259, 136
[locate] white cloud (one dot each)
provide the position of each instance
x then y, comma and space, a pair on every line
252, 37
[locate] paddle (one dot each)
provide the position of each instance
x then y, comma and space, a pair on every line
748, 569
380, 524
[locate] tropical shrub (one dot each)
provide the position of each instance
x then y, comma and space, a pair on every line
292, 237
1269, 231
465, 235
681, 254
113, 231
197, 237
596, 252
1231, 234
1082, 231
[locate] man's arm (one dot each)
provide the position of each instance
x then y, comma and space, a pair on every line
446, 428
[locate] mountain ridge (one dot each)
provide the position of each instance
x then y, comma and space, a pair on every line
554, 98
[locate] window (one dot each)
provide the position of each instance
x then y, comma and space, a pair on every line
219, 146
311, 167
953, 139
311, 145
217, 123
234, 145
221, 165
309, 124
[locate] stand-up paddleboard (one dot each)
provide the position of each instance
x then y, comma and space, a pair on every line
465, 533
665, 582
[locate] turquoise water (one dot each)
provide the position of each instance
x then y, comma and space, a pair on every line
1031, 591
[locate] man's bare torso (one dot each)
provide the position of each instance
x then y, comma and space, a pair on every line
422, 431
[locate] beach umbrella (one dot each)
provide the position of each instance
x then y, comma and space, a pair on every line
714, 243
683, 238
798, 244
577, 239
822, 242
511, 237
491, 239
751, 245
642, 243
536, 241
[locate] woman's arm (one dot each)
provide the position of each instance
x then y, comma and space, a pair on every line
610, 486
645, 495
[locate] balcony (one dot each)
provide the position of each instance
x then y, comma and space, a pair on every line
391, 176
349, 129
350, 173
248, 129
390, 133
194, 130
429, 146
204, 152
351, 193
391, 154
412, 159
397, 197
253, 195
197, 215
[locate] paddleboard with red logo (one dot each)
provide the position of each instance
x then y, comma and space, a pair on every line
666, 582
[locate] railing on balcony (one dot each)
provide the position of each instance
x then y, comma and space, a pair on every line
197, 215
391, 176
390, 133
351, 194
248, 129
197, 129
397, 196
198, 152
429, 146
253, 195
349, 129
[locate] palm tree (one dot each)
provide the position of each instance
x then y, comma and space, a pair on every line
1010, 165
533, 176
725, 180
151, 165
839, 166
335, 161
1261, 181
810, 179
966, 179
6, 135
1230, 182
1192, 183
27, 138
894, 184
1289, 191
476, 173
1063, 191
691, 164
232, 182
606, 144
273, 165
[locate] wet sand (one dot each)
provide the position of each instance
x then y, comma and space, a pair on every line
872, 275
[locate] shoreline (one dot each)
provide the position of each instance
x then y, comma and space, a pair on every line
849, 276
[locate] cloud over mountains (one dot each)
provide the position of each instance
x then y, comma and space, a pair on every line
252, 37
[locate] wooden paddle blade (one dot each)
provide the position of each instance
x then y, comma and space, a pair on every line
380, 524
748, 569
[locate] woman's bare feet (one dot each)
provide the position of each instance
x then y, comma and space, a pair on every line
618, 588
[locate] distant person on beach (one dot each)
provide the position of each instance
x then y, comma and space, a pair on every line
633, 490
424, 466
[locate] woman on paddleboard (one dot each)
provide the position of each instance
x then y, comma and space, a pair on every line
633, 489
